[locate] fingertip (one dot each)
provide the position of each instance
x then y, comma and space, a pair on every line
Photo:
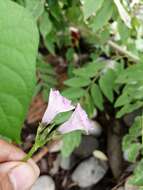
23, 176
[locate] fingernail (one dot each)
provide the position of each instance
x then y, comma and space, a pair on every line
23, 176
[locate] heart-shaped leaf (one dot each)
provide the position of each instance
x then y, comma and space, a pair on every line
18, 48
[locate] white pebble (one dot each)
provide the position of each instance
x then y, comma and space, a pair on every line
44, 182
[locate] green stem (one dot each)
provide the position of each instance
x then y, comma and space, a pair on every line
127, 53
30, 153
42, 137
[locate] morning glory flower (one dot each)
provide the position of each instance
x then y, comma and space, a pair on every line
57, 104
78, 121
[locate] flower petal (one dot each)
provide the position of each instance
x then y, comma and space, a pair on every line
57, 104
78, 121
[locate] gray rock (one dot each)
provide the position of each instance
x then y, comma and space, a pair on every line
44, 182
97, 129
65, 163
87, 146
89, 172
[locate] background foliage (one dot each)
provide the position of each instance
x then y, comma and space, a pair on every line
100, 43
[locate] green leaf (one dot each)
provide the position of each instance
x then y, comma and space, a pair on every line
44, 67
102, 16
90, 70
107, 82
62, 117
88, 105
123, 31
70, 142
137, 126
103, 36
48, 79
45, 94
73, 93
97, 96
36, 7
49, 43
134, 133
70, 55
91, 7
45, 24
74, 14
77, 82
21, 2
131, 97
127, 140
137, 178
18, 49
131, 75
133, 151
130, 93
128, 108
55, 9
122, 100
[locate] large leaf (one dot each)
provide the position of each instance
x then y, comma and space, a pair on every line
18, 47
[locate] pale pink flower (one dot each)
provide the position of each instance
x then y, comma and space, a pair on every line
78, 121
57, 104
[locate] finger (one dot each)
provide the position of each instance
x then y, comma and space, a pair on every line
5, 184
9, 152
17, 175
7, 166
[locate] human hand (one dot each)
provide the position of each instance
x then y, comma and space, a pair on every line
15, 174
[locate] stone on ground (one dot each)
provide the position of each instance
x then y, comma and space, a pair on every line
44, 182
89, 172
